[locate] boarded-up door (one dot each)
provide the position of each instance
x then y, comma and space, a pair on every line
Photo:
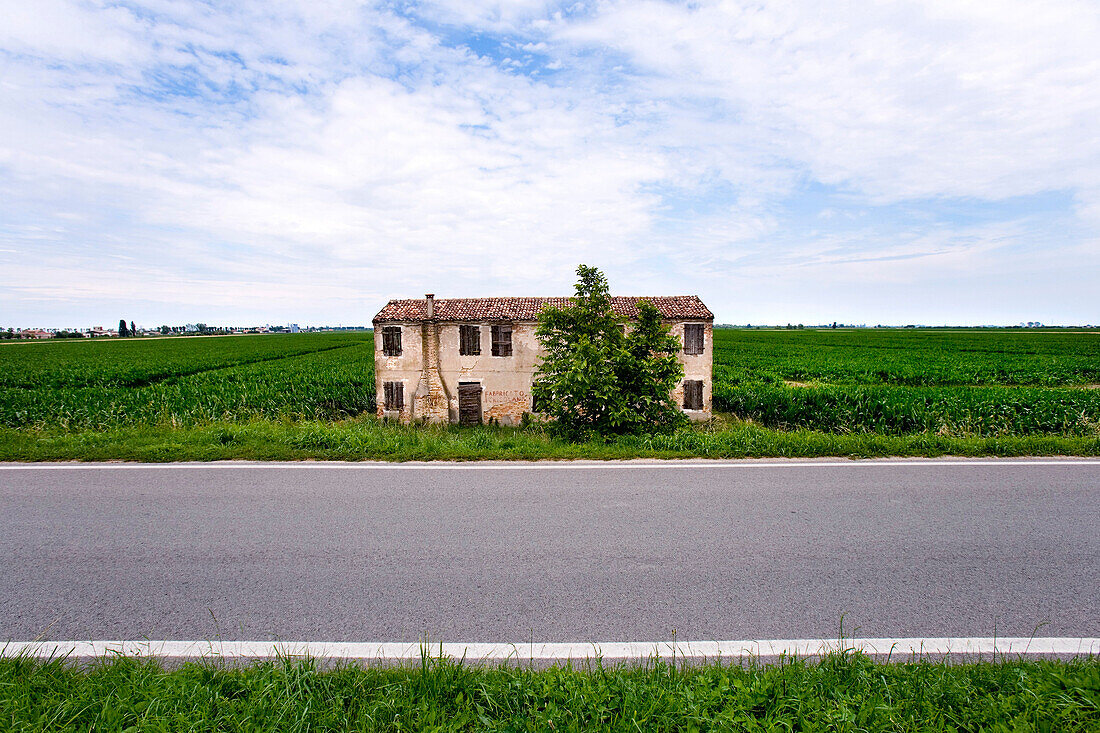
469, 403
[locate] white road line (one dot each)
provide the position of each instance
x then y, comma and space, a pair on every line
544, 466
898, 649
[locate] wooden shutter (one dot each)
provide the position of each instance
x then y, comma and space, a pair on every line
693, 338
469, 340
469, 403
391, 340
394, 393
502, 340
693, 394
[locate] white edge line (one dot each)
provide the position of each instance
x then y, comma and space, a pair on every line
476, 466
899, 649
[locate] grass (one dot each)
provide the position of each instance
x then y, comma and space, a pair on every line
776, 393
367, 439
844, 691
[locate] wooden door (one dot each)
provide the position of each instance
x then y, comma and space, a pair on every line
469, 403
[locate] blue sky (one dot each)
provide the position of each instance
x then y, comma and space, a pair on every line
306, 160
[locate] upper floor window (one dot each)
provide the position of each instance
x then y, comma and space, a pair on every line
693, 394
502, 340
469, 340
391, 340
693, 338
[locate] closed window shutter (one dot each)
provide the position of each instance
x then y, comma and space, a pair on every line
394, 393
693, 338
693, 394
502, 340
469, 340
391, 340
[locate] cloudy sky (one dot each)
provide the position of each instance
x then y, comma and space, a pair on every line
306, 160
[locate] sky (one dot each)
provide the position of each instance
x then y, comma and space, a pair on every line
305, 161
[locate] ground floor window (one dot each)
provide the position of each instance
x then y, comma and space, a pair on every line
394, 395
693, 394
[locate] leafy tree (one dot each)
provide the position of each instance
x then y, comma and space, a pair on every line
596, 378
123, 331
133, 331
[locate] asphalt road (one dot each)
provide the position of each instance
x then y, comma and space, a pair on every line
484, 554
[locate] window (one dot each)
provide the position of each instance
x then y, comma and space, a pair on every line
502, 340
693, 394
391, 340
469, 340
693, 338
394, 394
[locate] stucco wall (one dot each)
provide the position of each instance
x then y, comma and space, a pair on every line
505, 380
405, 368
697, 366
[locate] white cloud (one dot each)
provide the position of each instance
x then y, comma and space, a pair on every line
327, 155
897, 100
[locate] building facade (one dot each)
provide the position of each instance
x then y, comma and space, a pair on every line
473, 360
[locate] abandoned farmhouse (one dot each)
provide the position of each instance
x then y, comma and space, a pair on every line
472, 360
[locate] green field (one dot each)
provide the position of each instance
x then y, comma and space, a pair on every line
861, 392
897, 382
841, 692
104, 384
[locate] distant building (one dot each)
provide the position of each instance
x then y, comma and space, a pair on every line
294, 328
471, 360
36, 333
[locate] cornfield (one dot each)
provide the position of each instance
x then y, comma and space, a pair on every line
895, 382
963, 383
100, 385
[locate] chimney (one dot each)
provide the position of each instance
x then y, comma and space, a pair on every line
430, 400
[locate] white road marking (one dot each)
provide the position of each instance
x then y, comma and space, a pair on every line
898, 649
540, 466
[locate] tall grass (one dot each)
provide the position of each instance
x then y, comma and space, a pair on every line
368, 439
841, 692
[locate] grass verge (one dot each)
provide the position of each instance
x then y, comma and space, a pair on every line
841, 692
367, 439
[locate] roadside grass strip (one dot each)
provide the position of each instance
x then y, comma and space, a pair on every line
368, 439
842, 690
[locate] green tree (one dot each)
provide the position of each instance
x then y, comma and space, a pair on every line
133, 331
596, 378
123, 330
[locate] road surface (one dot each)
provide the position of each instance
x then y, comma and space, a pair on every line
558, 552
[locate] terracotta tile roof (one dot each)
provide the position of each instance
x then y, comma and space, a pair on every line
676, 307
